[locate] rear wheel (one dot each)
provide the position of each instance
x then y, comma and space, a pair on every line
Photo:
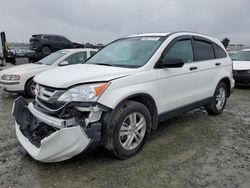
30, 88
219, 100
129, 129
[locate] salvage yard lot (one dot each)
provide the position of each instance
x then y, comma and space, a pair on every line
192, 150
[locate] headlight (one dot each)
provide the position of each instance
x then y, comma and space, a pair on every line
248, 71
86, 92
10, 77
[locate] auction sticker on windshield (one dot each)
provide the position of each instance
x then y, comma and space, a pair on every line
151, 38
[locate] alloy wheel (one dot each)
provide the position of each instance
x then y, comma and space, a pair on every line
220, 98
132, 131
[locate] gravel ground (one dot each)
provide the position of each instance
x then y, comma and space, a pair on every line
192, 150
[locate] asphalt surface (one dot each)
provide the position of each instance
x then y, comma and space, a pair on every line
192, 150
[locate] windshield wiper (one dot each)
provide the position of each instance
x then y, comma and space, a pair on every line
38, 62
128, 66
105, 64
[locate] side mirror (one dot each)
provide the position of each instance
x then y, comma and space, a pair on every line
64, 63
171, 63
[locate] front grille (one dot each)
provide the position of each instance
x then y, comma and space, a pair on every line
242, 76
46, 98
48, 94
50, 106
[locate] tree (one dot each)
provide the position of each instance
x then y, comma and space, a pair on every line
225, 42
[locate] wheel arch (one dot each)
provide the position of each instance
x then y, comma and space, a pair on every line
227, 81
46, 45
26, 83
146, 100
30, 78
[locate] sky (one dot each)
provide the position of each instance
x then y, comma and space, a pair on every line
106, 20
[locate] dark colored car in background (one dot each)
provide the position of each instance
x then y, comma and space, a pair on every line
46, 43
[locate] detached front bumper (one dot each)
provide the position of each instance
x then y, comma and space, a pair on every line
46, 138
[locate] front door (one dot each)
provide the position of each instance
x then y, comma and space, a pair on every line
178, 87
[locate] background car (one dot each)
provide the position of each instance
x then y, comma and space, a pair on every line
20, 78
241, 67
231, 53
45, 44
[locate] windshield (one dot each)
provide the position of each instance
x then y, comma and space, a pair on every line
241, 56
128, 52
52, 58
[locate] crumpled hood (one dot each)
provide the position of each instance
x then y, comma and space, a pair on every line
23, 69
241, 65
64, 77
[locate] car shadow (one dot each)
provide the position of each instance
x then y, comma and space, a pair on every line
242, 87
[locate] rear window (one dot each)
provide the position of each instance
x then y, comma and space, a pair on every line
219, 52
204, 50
36, 36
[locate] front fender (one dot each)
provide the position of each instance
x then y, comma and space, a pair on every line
120, 89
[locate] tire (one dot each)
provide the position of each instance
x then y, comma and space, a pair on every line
123, 130
46, 50
30, 88
219, 100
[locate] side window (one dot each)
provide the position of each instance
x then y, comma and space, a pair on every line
51, 38
181, 50
59, 39
46, 37
219, 52
204, 50
76, 58
92, 53
62, 39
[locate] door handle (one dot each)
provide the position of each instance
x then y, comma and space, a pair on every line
193, 68
217, 64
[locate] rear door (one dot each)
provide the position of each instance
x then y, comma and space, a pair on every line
210, 65
52, 42
178, 87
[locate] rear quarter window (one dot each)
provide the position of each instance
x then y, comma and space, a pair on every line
219, 52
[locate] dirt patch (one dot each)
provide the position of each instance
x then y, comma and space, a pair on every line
192, 150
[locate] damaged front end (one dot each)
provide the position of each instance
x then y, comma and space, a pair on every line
52, 132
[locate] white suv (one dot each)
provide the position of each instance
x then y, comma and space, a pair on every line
121, 93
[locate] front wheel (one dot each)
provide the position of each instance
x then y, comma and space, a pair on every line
30, 88
129, 129
219, 100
